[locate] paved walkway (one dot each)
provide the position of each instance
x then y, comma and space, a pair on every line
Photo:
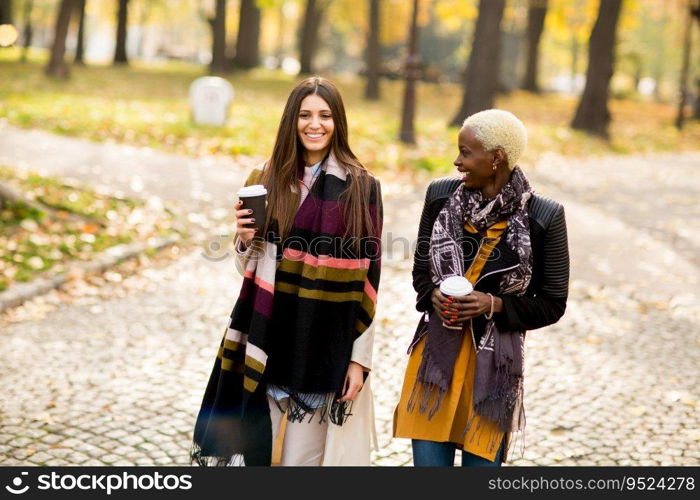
113, 373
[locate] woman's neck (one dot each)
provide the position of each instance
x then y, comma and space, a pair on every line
499, 180
313, 157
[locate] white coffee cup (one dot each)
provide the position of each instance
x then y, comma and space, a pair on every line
254, 190
455, 286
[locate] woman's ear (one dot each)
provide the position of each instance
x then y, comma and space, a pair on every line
499, 156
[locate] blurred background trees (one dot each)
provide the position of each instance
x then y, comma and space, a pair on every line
248, 38
6, 12
592, 114
407, 133
120, 56
373, 52
482, 73
80, 42
592, 50
308, 34
536, 14
218, 35
57, 66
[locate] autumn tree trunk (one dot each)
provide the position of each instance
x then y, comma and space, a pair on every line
57, 66
308, 35
28, 29
280, 48
481, 82
536, 13
412, 69
80, 47
695, 10
6, 12
218, 49
122, 24
575, 48
248, 39
373, 52
685, 69
592, 114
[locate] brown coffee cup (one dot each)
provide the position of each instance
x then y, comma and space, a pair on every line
254, 198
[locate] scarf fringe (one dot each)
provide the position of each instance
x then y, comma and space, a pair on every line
503, 393
305, 406
500, 403
431, 385
426, 392
337, 412
196, 457
511, 438
302, 406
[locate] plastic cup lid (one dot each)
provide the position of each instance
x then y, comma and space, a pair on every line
255, 190
456, 286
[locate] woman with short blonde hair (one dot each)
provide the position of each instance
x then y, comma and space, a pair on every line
463, 387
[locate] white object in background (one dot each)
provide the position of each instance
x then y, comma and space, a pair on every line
291, 66
646, 86
210, 98
8, 35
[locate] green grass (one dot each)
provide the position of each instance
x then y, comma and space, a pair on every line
147, 106
78, 223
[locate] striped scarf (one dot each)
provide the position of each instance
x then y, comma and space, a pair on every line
302, 304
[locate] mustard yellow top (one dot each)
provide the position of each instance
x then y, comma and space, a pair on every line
450, 421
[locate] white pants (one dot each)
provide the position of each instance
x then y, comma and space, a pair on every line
304, 441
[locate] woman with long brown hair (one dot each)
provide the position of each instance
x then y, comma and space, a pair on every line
296, 353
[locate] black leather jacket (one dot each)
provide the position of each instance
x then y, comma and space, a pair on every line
545, 299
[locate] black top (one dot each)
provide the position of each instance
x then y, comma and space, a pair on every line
544, 301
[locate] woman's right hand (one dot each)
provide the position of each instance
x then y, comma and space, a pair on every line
441, 305
243, 233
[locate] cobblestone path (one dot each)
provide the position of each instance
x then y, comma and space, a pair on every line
114, 375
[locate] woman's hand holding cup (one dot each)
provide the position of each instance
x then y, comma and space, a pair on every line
250, 212
441, 305
451, 301
454, 310
243, 219
470, 306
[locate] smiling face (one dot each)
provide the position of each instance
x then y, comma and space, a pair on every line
474, 161
315, 127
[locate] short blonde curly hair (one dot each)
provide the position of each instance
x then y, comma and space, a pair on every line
495, 128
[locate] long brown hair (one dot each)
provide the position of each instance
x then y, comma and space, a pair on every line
280, 175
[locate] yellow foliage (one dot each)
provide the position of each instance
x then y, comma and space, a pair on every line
349, 16
569, 18
395, 15
453, 14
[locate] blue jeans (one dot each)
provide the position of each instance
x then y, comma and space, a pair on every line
434, 454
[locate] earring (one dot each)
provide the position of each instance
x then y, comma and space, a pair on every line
495, 166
